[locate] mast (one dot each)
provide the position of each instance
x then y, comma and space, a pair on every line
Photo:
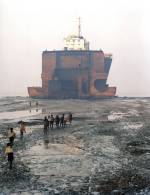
79, 28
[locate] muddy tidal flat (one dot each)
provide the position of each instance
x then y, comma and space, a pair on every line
106, 149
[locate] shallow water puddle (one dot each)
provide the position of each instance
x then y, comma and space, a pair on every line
135, 126
116, 116
54, 149
19, 114
56, 159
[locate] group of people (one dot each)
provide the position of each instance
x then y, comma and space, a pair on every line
59, 121
9, 146
49, 122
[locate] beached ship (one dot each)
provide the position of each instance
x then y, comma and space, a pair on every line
74, 72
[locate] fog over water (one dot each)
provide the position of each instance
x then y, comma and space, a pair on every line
30, 26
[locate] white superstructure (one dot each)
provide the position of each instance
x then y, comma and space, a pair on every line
76, 42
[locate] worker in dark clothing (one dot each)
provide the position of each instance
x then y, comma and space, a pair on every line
9, 153
62, 121
11, 136
48, 120
57, 120
46, 124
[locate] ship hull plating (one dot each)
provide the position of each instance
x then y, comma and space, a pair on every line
74, 74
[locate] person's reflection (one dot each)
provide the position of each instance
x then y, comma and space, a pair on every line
46, 142
37, 110
30, 111
43, 110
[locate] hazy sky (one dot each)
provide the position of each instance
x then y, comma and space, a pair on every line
120, 27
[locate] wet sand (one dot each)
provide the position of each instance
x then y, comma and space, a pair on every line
106, 150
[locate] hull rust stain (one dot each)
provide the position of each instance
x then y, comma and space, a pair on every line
74, 74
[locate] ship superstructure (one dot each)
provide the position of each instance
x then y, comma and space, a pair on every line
74, 72
76, 42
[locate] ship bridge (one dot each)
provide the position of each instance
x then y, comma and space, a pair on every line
76, 42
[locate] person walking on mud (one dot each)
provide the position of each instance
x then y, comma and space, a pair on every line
10, 154
57, 120
11, 136
62, 121
46, 125
51, 122
70, 118
22, 129
48, 118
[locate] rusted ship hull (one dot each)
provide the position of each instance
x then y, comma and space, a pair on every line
74, 74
